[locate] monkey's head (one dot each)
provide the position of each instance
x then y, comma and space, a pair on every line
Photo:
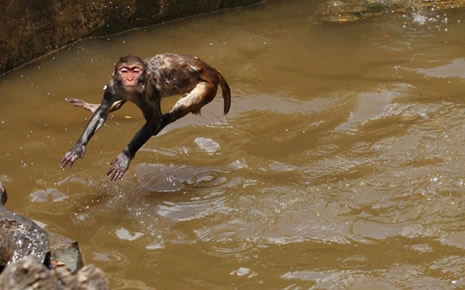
130, 74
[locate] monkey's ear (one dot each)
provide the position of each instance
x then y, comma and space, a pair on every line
114, 69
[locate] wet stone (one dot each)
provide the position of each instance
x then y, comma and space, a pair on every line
21, 237
64, 252
3, 195
89, 277
28, 273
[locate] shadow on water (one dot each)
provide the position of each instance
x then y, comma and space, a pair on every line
340, 164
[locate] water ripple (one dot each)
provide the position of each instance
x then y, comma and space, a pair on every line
166, 178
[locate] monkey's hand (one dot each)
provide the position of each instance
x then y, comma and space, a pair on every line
72, 155
119, 167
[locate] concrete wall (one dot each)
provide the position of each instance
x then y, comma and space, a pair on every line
32, 28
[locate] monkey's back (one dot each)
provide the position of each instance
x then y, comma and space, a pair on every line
177, 74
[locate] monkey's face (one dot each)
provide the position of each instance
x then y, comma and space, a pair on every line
131, 76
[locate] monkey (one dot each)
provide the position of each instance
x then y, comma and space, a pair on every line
145, 83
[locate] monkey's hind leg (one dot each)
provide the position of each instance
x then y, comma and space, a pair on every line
92, 107
202, 94
83, 104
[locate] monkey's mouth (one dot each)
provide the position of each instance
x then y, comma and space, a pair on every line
130, 86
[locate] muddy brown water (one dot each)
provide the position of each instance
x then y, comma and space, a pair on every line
340, 165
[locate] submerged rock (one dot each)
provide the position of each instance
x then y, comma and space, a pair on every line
353, 10
20, 237
3, 196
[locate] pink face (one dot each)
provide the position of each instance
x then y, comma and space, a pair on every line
129, 76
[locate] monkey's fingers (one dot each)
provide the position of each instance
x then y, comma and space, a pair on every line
65, 161
118, 167
69, 158
115, 173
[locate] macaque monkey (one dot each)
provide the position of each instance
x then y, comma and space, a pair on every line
145, 82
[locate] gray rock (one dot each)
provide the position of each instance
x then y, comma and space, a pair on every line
3, 195
88, 278
25, 250
20, 237
28, 273
64, 252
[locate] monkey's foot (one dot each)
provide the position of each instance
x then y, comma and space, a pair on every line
82, 104
118, 167
72, 155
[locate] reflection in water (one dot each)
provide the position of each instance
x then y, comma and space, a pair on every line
340, 164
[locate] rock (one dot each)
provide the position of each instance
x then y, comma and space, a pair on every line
353, 10
21, 237
64, 252
26, 250
28, 273
3, 196
88, 278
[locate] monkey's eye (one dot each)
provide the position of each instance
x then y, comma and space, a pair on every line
136, 70
124, 70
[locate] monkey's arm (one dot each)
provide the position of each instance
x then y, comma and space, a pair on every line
121, 163
96, 121
154, 124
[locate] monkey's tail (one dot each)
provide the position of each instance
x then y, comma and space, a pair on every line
226, 91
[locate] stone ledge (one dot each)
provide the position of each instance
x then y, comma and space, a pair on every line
30, 29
